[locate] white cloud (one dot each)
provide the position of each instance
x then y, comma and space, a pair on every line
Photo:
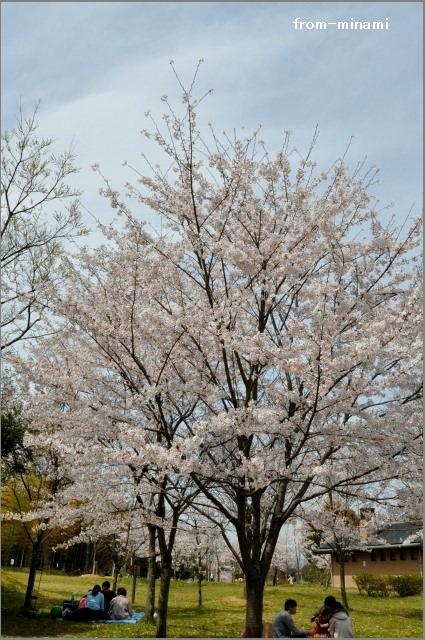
99, 66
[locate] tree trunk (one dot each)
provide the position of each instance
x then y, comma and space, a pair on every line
164, 591
254, 606
341, 559
199, 589
150, 594
117, 569
35, 559
93, 568
87, 557
274, 577
199, 582
218, 569
133, 590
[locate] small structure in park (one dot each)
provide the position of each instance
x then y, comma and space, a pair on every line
395, 549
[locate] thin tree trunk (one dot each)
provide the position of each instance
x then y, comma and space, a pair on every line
93, 569
199, 582
341, 559
87, 557
218, 568
164, 591
35, 558
274, 580
133, 590
150, 594
254, 606
117, 569
199, 590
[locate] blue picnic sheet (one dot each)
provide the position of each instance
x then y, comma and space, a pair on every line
136, 618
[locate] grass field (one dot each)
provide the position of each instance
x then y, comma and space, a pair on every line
222, 614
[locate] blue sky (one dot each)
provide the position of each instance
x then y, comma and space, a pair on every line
97, 67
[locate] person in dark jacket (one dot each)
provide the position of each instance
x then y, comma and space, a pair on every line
283, 625
108, 594
329, 603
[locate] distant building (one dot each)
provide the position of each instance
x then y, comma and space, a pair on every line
395, 549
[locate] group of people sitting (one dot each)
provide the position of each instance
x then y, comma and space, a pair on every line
330, 621
101, 603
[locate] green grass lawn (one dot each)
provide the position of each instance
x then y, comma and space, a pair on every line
222, 614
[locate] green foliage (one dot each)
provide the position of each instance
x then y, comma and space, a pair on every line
317, 575
362, 581
407, 585
372, 584
221, 616
13, 454
382, 585
12, 429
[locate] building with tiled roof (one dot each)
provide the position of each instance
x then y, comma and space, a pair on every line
395, 549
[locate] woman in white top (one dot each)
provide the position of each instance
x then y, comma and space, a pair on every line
120, 608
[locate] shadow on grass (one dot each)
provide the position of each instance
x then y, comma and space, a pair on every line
11, 601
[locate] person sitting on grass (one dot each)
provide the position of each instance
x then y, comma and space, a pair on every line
108, 594
82, 602
93, 610
120, 608
340, 623
283, 625
95, 600
321, 617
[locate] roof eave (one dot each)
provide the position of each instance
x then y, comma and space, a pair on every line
368, 548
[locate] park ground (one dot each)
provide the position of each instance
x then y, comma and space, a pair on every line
222, 613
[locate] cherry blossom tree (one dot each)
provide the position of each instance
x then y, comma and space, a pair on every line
197, 544
31, 487
34, 179
298, 310
118, 376
335, 525
288, 553
262, 351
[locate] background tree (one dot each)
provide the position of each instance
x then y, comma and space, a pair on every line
335, 525
14, 455
27, 492
196, 545
33, 181
116, 375
288, 556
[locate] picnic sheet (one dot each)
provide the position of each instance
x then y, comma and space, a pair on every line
136, 618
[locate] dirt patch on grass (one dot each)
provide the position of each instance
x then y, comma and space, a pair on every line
234, 601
